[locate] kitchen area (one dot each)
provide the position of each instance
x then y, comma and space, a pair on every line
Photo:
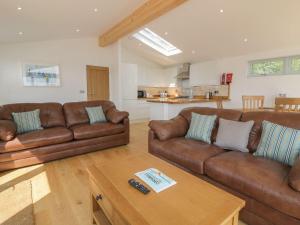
153, 92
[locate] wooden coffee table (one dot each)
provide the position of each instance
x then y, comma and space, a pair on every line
190, 201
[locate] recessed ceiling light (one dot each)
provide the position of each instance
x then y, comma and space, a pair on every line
19, 8
245, 39
77, 30
221, 10
166, 33
194, 52
140, 44
96, 9
20, 33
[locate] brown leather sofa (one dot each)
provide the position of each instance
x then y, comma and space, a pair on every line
67, 132
271, 190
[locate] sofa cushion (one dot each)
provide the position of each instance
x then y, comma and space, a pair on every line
27, 121
287, 119
95, 114
86, 131
76, 114
262, 179
51, 114
35, 139
188, 153
201, 127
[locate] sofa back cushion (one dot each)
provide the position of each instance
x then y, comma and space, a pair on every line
75, 112
228, 114
287, 119
51, 114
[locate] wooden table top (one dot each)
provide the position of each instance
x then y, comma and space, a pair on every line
190, 201
183, 100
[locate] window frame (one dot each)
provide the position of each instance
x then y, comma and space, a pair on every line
286, 70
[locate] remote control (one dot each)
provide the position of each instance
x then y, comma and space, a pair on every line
138, 186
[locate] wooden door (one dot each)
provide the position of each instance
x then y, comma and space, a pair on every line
97, 83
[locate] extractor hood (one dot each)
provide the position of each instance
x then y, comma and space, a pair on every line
184, 71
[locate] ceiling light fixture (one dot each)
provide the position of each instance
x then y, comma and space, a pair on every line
194, 52
166, 33
245, 40
140, 44
77, 30
221, 10
19, 8
96, 9
156, 42
20, 33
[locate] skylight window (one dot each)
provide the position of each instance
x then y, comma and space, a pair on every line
156, 42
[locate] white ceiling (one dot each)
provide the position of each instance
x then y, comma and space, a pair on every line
58, 19
196, 25
199, 25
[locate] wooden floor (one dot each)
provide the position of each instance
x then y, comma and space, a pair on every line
60, 190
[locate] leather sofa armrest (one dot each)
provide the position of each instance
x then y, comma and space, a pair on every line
8, 130
167, 129
294, 176
116, 116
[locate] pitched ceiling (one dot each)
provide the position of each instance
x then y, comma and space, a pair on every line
203, 33
58, 19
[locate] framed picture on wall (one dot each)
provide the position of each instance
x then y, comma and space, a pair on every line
37, 75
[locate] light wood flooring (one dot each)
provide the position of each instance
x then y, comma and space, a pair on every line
60, 190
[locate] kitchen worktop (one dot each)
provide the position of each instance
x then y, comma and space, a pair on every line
183, 100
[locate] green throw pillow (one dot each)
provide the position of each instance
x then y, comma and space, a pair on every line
279, 143
96, 114
201, 127
27, 121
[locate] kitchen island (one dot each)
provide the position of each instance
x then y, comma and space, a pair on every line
168, 108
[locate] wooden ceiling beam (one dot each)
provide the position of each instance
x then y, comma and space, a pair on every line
148, 12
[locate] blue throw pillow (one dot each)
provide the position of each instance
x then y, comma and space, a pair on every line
201, 127
279, 143
96, 114
27, 121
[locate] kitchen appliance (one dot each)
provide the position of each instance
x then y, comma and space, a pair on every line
226, 78
141, 94
183, 72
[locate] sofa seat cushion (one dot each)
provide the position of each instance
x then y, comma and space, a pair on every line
49, 136
263, 179
188, 153
86, 131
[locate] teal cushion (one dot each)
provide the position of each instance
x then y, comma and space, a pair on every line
279, 143
201, 127
96, 114
27, 121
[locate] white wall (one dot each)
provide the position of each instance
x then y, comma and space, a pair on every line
71, 55
270, 86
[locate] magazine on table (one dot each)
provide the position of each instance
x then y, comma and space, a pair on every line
157, 180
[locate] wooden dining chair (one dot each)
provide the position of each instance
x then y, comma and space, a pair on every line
287, 104
253, 103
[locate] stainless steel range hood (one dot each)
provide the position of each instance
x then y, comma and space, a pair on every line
184, 72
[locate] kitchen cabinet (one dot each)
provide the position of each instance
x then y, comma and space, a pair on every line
139, 110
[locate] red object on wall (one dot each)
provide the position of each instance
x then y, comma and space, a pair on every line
229, 77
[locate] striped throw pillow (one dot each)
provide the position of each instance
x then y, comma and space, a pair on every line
201, 127
279, 143
27, 121
96, 114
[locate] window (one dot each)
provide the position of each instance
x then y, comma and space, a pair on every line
276, 66
156, 42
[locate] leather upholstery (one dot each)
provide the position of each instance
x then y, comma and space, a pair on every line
39, 138
263, 179
115, 116
188, 153
8, 130
75, 112
168, 129
285, 119
86, 131
294, 176
51, 114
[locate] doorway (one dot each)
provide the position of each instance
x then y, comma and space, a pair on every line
97, 83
